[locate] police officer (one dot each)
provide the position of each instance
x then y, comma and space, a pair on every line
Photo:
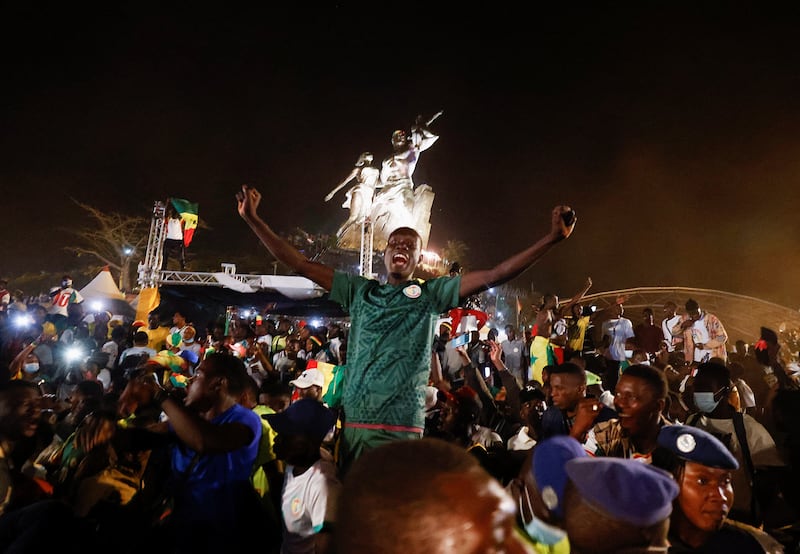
702, 467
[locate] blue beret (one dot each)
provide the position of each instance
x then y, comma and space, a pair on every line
627, 490
549, 457
305, 416
695, 445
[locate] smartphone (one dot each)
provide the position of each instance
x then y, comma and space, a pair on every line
460, 340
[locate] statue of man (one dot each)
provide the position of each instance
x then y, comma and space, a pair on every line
394, 203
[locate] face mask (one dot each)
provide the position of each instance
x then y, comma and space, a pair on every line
546, 534
32, 367
705, 402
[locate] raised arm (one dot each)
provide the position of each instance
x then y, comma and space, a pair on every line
342, 184
195, 432
481, 280
248, 199
610, 308
422, 137
567, 308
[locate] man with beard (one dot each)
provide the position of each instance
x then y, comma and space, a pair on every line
393, 324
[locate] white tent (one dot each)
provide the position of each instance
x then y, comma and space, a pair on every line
103, 290
102, 287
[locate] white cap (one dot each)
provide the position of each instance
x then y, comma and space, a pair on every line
309, 377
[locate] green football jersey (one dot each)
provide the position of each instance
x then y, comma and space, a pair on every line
389, 345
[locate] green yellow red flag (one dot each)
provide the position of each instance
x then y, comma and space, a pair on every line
188, 212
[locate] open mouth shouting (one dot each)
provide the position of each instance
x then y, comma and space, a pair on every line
400, 254
399, 258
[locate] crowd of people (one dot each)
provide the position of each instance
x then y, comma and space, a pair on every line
388, 433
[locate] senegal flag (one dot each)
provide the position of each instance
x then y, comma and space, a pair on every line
188, 213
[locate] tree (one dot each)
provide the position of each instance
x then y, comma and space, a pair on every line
113, 239
456, 251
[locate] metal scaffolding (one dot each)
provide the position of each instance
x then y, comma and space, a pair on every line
365, 257
150, 268
151, 275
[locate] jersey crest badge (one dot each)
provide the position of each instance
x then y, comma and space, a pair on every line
412, 291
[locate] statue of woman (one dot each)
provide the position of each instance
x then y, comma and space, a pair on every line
359, 198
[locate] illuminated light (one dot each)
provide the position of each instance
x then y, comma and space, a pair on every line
491, 290
429, 256
316, 322
97, 305
127, 250
246, 313
73, 353
23, 320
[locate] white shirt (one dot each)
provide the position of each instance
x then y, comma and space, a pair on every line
666, 328
334, 345
618, 330
136, 351
521, 441
308, 500
174, 229
62, 299
700, 336
112, 349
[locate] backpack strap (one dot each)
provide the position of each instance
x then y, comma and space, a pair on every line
741, 436
691, 421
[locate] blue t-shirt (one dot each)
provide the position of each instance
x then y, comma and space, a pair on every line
214, 487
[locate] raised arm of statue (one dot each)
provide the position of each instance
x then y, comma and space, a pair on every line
341, 185
422, 137
360, 171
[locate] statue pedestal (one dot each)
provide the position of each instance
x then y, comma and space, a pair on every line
400, 209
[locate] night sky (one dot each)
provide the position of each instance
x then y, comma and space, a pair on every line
673, 131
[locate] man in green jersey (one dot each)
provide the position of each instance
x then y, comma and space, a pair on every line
392, 324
